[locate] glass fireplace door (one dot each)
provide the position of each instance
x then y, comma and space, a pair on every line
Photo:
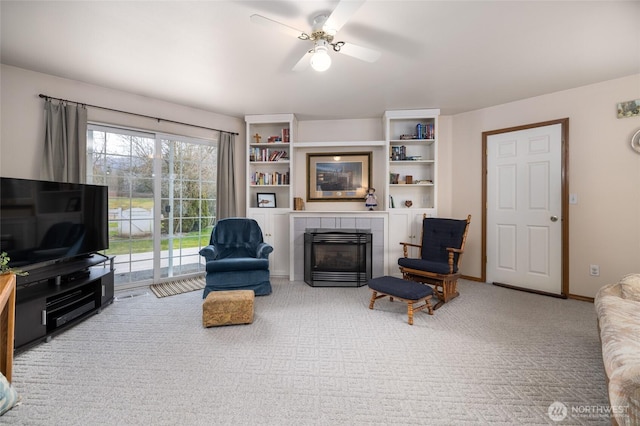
337, 257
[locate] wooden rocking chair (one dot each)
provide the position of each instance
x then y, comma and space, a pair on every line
439, 258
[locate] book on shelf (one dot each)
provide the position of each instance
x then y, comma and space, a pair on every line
276, 155
430, 131
266, 154
269, 178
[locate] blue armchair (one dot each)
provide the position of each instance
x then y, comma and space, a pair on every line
237, 257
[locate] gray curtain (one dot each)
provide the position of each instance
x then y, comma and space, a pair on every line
65, 142
227, 191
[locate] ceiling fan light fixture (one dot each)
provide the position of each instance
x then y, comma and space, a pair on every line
320, 60
322, 35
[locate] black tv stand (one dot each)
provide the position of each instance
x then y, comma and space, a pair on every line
53, 298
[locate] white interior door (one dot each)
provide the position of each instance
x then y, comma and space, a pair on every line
524, 208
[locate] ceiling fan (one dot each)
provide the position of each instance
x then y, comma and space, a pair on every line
323, 35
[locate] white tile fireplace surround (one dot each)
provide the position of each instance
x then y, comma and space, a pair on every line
299, 221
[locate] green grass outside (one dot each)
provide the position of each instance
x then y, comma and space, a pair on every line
145, 244
123, 203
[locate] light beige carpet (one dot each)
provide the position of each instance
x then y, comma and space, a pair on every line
319, 356
178, 287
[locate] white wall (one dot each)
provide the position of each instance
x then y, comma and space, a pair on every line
603, 170
604, 226
369, 129
22, 118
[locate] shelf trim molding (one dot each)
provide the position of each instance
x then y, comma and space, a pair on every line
342, 144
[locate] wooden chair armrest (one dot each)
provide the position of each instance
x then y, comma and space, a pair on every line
451, 251
405, 246
411, 244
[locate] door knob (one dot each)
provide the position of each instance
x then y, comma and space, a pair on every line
554, 218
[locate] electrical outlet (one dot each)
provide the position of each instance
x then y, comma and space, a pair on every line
594, 270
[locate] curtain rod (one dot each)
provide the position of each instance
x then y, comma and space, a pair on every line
139, 115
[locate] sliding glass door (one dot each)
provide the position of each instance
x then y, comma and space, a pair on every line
162, 195
187, 205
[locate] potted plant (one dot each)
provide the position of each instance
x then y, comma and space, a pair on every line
6, 269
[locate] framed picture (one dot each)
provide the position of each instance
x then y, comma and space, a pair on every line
628, 109
338, 177
266, 200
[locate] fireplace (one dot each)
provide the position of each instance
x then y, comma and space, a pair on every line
337, 257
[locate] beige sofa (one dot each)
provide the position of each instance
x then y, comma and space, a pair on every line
618, 309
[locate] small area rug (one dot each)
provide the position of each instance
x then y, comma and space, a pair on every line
172, 288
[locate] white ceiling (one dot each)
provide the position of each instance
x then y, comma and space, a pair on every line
453, 55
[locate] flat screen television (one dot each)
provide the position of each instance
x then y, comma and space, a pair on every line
44, 222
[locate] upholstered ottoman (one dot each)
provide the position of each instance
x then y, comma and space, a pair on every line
228, 307
408, 291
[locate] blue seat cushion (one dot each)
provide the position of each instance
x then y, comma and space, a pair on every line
237, 264
426, 265
397, 287
438, 234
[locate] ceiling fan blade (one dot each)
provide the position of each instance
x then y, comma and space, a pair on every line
359, 52
340, 15
304, 62
270, 23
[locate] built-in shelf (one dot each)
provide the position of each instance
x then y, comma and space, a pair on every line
275, 176
412, 137
403, 171
411, 141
